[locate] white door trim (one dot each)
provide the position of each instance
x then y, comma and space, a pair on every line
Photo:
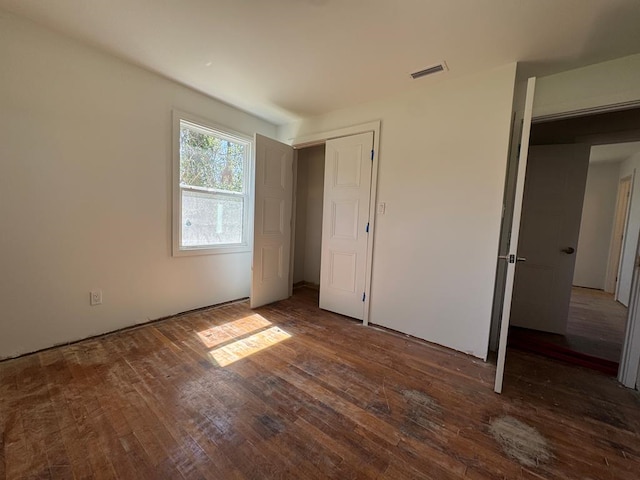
294, 207
614, 107
322, 137
617, 244
626, 233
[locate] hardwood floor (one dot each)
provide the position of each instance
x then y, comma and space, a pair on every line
596, 324
304, 393
595, 327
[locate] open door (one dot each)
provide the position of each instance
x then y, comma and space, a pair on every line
512, 257
272, 221
347, 190
549, 228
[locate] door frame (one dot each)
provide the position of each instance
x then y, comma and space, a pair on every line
585, 112
628, 372
629, 369
629, 366
617, 243
322, 137
626, 249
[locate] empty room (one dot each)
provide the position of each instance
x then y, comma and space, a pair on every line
296, 239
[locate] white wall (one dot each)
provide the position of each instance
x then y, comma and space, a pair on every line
85, 188
589, 87
598, 211
443, 153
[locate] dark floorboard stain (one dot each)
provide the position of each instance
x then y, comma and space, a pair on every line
268, 426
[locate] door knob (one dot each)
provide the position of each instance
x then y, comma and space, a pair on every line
568, 250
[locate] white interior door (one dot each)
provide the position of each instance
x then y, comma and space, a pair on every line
515, 230
272, 221
549, 228
347, 189
505, 231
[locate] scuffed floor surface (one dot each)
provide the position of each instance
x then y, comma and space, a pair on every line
290, 391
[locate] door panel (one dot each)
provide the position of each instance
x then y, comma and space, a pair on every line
342, 272
551, 212
272, 221
344, 219
347, 189
515, 231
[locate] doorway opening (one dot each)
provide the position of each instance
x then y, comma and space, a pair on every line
308, 202
333, 201
339, 171
571, 298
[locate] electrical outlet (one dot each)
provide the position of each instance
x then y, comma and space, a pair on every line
95, 297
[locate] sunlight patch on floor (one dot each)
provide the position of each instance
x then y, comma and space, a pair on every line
242, 348
220, 334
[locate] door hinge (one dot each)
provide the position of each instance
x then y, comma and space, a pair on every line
367, 229
364, 295
372, 155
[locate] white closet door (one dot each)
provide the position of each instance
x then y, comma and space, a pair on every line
272, 221
347, 189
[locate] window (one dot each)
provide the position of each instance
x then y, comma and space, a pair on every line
211, 188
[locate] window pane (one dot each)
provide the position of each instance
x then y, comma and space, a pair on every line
210, 219
210, 162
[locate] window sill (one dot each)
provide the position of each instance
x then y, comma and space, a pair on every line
188, 252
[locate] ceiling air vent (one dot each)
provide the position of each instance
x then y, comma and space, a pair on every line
440, 67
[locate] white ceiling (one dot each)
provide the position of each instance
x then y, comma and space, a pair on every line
616, 152
285, 59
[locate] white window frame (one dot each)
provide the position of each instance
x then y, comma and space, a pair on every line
223, 132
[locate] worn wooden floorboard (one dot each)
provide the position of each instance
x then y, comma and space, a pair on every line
596, 326
205, 395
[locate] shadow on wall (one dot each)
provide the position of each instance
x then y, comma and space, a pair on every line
625, 40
